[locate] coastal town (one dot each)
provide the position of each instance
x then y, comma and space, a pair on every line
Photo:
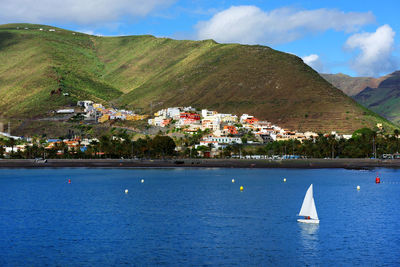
211, 132
199, 133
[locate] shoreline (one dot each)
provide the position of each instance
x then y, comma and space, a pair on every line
203, 163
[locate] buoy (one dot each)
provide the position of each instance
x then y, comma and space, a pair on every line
142, 181
284, 179
69, 181
126, 191
377, 180
358, 187
241, 188
233, 180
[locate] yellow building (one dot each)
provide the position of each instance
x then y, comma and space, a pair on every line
229, 119
136, 117
104, 118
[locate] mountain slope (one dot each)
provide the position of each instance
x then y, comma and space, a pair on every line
385, 99
382, 95
147, 73
351, 85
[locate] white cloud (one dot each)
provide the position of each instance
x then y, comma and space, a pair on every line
314, 62
75, 11
376, 50
251, 25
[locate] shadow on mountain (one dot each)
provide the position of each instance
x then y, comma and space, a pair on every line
6, 40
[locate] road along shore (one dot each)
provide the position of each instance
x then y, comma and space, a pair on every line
206, 163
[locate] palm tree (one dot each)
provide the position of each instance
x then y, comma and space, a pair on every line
396, 133
2, 143
95, 145
11, 143
105, 145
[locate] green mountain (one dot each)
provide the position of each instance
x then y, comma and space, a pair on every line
382, 95
385, 98
146, 73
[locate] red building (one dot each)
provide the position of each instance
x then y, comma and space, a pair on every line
191, 116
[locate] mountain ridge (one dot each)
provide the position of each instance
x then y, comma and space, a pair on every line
147, 73
381, 94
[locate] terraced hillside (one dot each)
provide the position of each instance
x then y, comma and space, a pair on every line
147, 73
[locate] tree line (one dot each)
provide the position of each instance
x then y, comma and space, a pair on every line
120, 146
365, 143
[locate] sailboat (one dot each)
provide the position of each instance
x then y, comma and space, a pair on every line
308, 209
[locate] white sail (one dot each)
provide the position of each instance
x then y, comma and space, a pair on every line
308, 208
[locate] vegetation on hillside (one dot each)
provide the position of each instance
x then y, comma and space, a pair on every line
145, 73
380, 95
385, 99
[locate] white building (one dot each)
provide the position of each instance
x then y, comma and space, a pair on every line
65, 111
169, 113
188, 109
211, 122
207, 113
158, 121
244, 117
85, 104
224, 139
228, 118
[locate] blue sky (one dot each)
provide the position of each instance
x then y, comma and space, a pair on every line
353, 37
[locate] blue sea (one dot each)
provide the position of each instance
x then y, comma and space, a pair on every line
182, 217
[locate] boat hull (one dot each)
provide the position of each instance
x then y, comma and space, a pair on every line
308, 221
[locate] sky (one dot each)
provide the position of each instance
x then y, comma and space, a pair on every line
358, 38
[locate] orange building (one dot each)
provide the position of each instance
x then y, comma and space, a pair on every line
251, 120
230, 129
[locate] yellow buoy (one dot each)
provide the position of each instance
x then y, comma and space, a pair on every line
126, 191
241, 188
142, 181
233, 180
284, 179
358, 187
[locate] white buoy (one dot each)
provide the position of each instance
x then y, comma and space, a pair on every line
233, 180
284, 179
126, 191
142, 181
358, 187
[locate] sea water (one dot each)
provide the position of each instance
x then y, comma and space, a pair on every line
197, 217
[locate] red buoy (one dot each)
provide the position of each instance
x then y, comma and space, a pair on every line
377, 180
69, 181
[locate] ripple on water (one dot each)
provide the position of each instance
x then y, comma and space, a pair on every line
197, 217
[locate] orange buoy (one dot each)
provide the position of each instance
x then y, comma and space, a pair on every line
377, 180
